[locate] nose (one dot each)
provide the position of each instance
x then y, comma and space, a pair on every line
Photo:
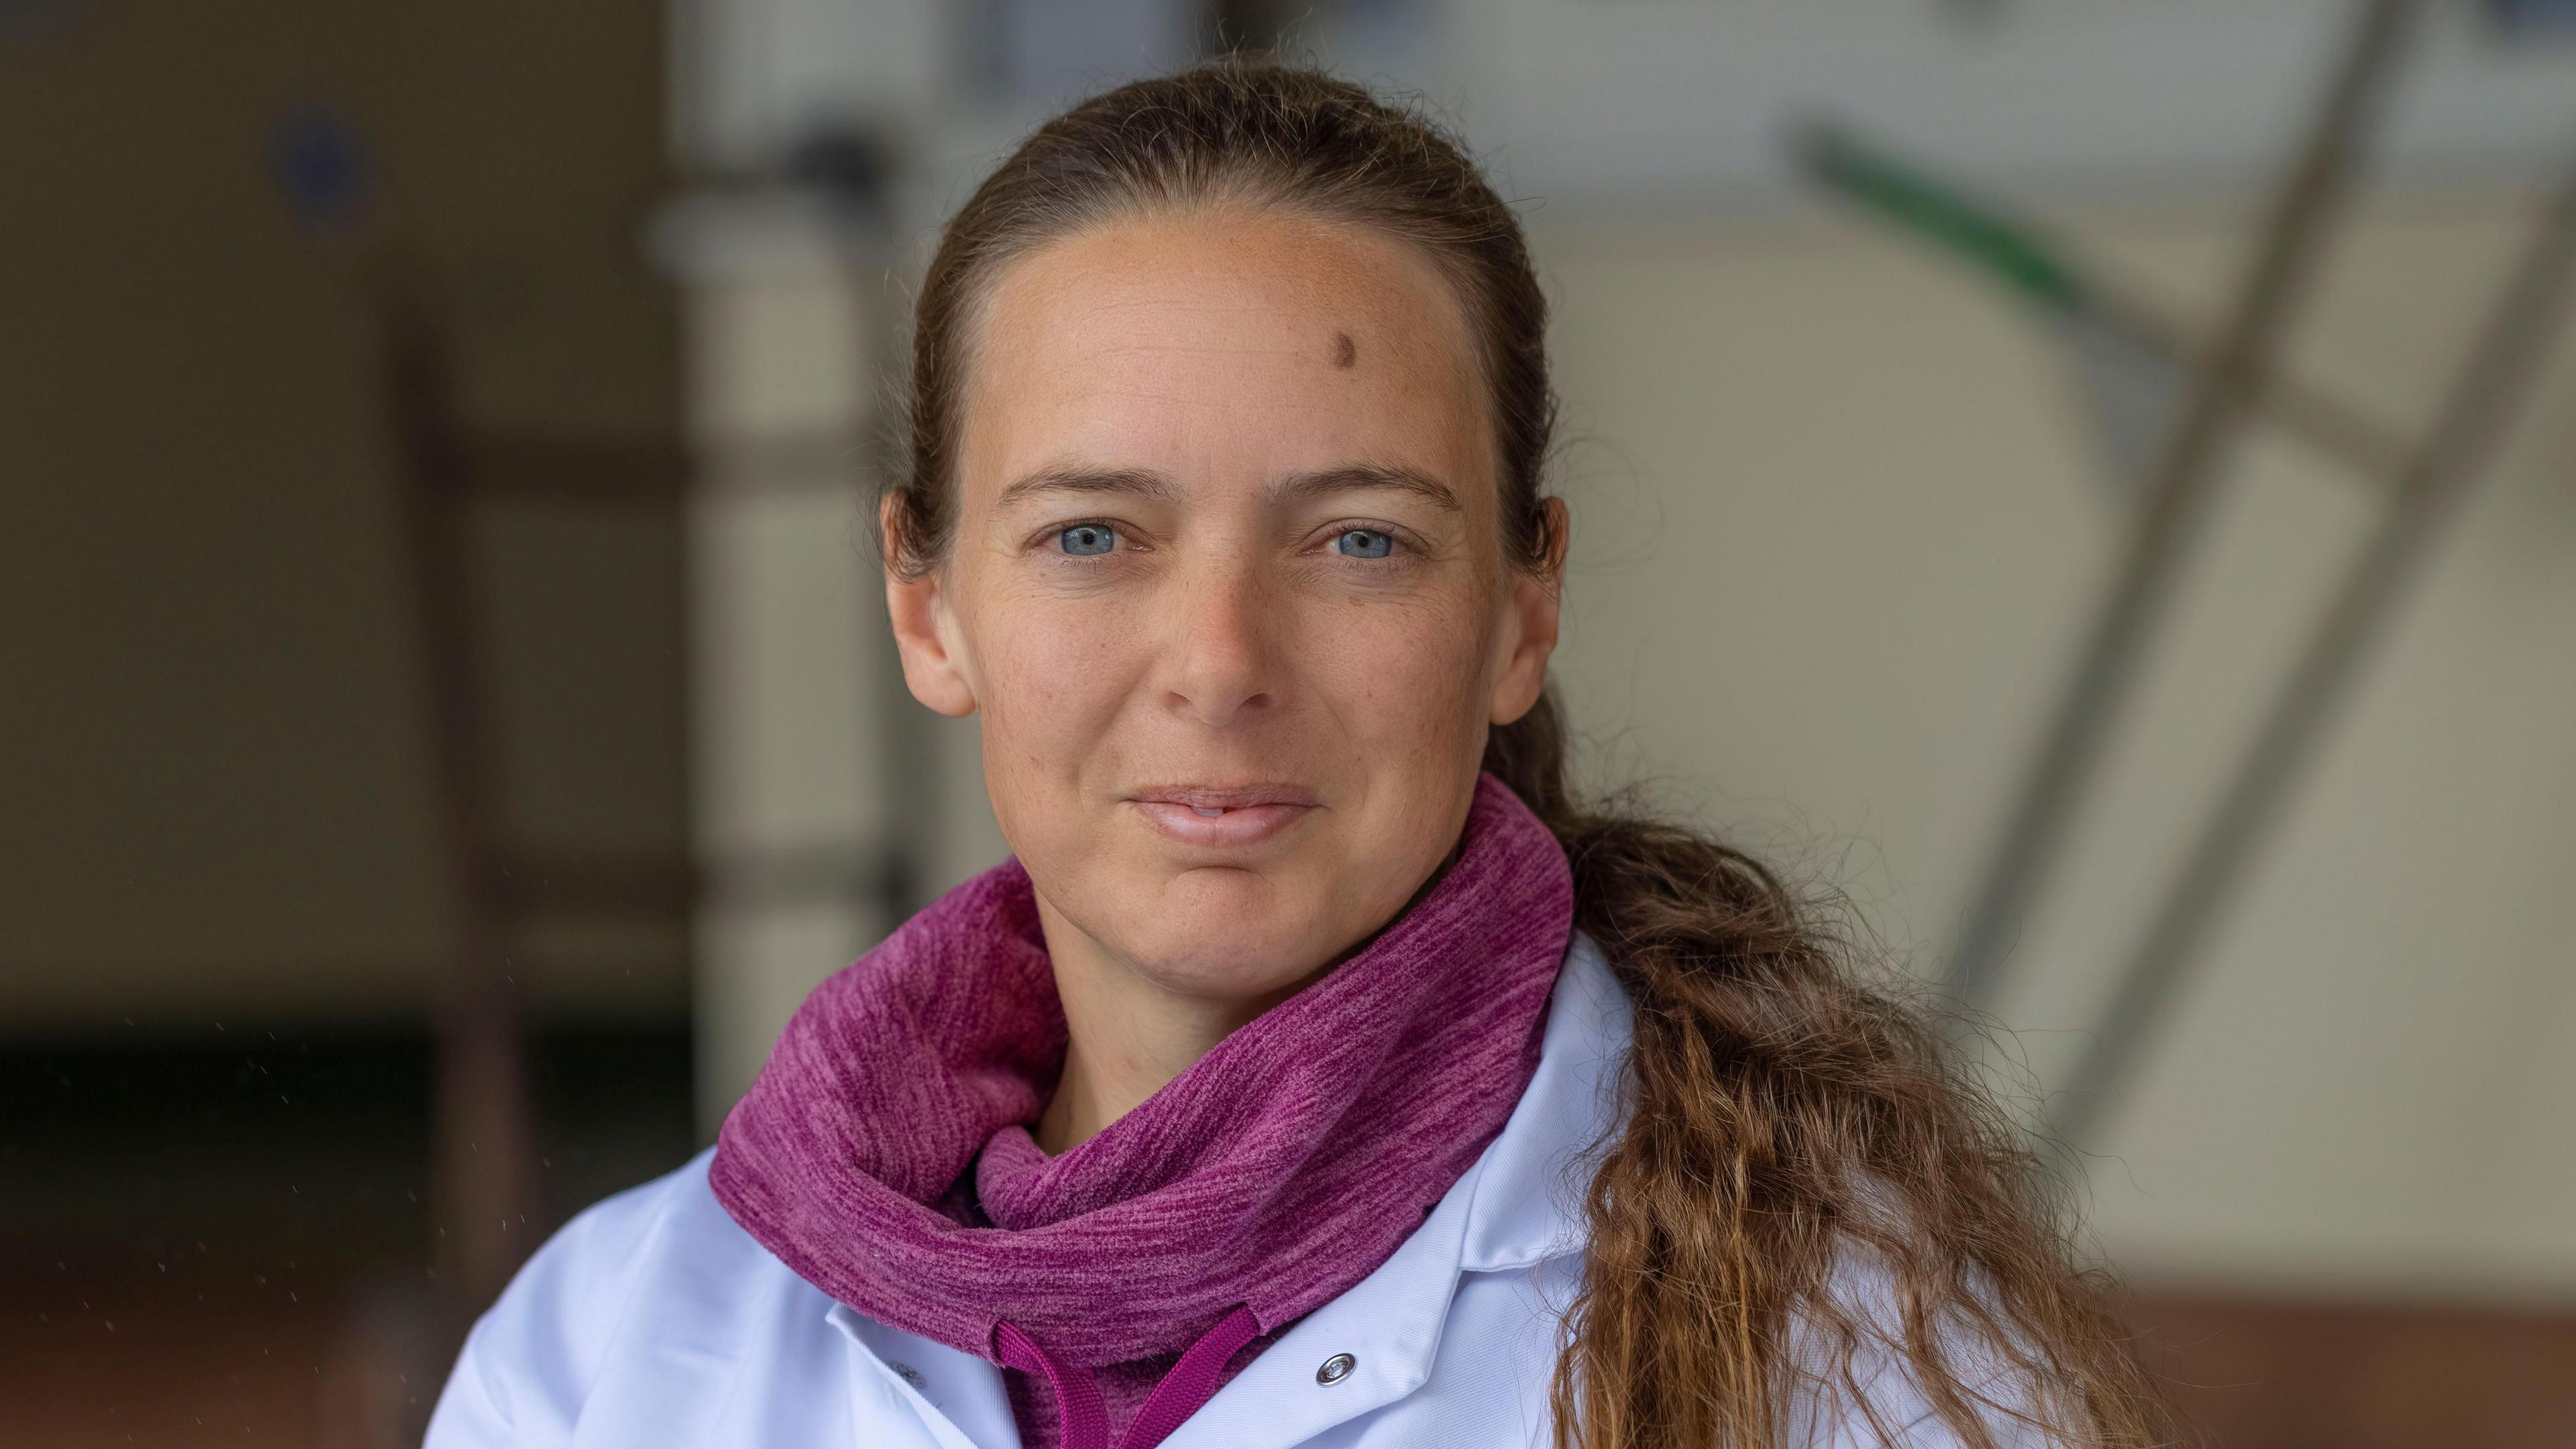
1219, 664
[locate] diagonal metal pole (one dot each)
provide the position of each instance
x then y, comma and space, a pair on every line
2484, 396
2183, 480
2338, 431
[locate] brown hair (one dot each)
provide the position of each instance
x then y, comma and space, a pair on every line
1781, 1115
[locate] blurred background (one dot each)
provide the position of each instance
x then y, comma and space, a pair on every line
2091, 481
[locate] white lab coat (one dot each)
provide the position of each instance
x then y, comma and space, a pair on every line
652, 1321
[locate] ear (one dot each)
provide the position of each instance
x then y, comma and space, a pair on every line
925, 631
1530, 629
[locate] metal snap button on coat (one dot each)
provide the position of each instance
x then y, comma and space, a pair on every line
1336, 1369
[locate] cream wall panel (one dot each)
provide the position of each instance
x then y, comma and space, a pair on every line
1840, 527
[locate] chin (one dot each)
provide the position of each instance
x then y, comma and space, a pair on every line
1230, 933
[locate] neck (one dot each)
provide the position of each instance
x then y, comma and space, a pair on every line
1127, 1035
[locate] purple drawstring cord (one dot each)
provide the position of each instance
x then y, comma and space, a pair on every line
1191, 1382
1079, 1410
1083, 1416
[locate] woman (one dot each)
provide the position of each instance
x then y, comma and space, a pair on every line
1320, 1071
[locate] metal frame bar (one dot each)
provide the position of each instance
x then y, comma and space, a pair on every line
2184, 481
484, 1179
2484, 396
2337, 430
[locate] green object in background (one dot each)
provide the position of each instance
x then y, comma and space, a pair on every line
1930, 207
2132, 385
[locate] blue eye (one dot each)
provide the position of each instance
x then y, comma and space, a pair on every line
1088, 539
1363, 543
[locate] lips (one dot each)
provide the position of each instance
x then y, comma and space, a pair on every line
1223, 816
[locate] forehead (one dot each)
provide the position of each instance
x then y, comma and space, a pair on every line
1221, 345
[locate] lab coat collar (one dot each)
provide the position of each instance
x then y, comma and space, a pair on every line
1528, 1203
1517, 1206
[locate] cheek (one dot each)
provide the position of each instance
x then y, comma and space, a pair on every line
1050, 677
1405, 678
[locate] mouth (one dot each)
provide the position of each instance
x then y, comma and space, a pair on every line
1223, 816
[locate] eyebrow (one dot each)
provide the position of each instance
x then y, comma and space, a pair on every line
1073, 478
1148, 483
1356, 477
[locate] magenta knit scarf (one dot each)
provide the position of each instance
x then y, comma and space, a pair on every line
884, 1154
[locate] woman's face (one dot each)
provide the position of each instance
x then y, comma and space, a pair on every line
1228, 587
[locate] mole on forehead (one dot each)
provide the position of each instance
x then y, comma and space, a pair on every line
1345, 351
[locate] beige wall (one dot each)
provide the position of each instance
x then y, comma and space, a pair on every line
1840, 523
1840, 527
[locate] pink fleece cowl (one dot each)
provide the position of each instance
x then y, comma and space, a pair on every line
885, 1156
